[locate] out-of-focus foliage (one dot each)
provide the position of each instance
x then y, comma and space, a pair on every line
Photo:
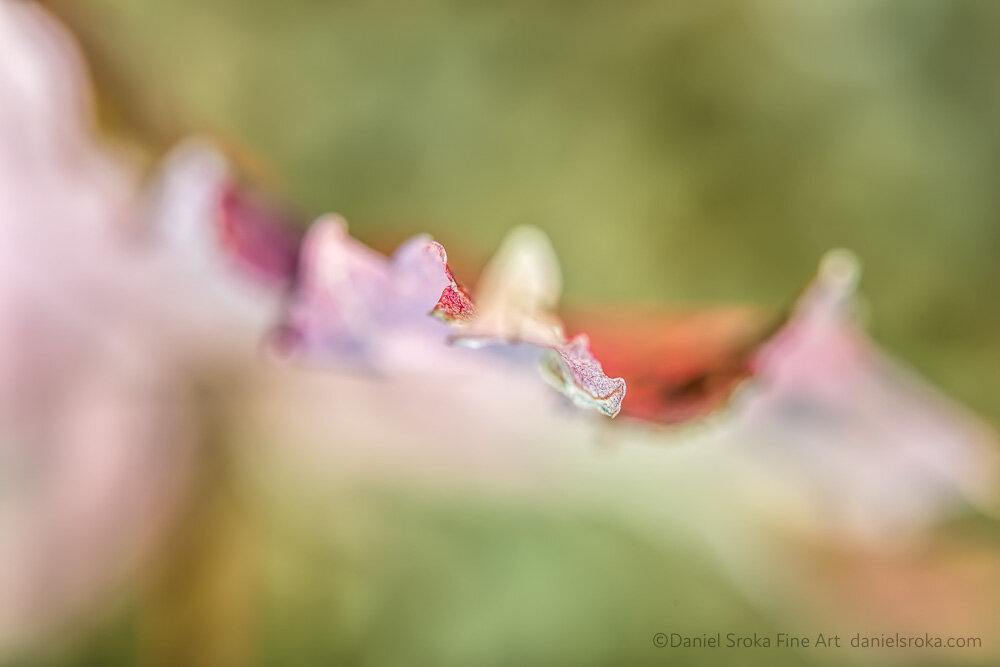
714, 149
676, 153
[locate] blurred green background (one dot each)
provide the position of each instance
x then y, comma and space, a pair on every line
677, 153
682, 153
